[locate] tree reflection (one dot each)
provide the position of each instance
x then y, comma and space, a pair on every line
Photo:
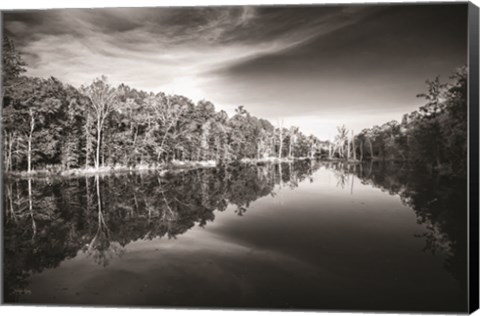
100, 248
48, 221
439, 202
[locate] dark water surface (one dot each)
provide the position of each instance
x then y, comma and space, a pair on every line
306, 235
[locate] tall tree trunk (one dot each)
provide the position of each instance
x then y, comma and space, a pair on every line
348, 149
361, 150
88, 142
99, 138
29, 153
290, 148
135, 151
353, 147
8, 153
17, 150
29, 149
371, 148
280, 145
5, 152
160, 151
10, 148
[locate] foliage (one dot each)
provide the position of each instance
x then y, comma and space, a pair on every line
48, 123
435, 135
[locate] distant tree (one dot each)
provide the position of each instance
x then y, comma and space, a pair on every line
340, 140
313, 143
292, 136
281, 136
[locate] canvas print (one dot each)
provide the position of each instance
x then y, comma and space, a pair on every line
251, 157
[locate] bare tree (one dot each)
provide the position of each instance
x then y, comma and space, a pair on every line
280, 139
293, 131
167, 113
102, 103
354, 149
29, 139
340, 139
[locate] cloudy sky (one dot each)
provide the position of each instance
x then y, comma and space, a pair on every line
314, 67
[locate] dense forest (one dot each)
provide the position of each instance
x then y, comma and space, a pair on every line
48, 123
51, 125
434, 136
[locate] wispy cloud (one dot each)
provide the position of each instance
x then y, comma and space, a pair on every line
158, 48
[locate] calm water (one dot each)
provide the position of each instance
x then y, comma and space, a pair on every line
307, 235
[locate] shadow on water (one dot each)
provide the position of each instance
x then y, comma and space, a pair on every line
51, 220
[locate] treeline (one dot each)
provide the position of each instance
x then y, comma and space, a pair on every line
435, 135
49, 124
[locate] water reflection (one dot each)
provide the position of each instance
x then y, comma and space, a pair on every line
52, 219
49, 221
439, 202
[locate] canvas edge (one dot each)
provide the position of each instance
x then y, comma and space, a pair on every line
473, 103
2, 301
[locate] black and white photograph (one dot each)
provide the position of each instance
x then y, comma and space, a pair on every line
310, 157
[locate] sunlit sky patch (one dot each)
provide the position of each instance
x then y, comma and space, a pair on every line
314, 67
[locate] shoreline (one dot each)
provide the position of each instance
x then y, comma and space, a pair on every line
173, 166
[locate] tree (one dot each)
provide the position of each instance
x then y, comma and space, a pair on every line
292, 136
354, 148
71, 147
454, 121
281, 133
435, 135
166, 113
340, 139
103, 99
429, 115
35, 110
12, 67
13, 64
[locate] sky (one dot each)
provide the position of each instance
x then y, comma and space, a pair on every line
316, 67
